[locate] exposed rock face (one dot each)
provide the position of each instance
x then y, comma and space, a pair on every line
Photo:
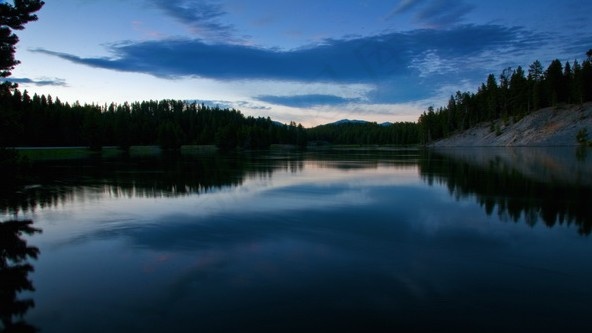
553, 126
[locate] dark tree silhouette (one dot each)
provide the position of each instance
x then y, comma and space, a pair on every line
14, 17
14, 271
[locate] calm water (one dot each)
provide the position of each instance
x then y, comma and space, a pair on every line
493, 240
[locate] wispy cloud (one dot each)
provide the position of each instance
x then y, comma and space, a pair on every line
39, 82
434, 13
440, 13
203, 17
307, 101
230, 104
406, 5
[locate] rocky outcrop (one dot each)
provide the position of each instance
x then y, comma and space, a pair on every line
553, 126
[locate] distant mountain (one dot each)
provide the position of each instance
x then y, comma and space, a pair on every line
356, 121
348, 121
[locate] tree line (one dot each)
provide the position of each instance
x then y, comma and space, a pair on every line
400, 133
42, 121
516, 94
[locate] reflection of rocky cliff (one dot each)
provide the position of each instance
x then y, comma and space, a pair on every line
533, 184
14, 271
547, 164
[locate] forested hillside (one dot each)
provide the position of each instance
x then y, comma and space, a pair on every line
516, 94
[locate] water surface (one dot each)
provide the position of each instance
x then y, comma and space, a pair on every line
370, 241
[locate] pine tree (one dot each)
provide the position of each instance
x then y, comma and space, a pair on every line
535, 78
587, 80
554, 82
567, 82
14, 17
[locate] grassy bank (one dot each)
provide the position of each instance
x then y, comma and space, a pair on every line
74, 153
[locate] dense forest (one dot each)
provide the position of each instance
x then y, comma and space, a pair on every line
43, 121
362, 133
517, 94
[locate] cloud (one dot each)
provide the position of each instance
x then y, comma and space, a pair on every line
39, 82
406, 5
360, 60
434, 13
203, 17
230, 104
307, 101
251, 105
440, 13
578, 45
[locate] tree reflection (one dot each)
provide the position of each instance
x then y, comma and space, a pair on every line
497, 185
52, 183
14, 270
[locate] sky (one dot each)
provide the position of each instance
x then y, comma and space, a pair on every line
308, 61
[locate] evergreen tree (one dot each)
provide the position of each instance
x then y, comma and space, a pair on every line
14, 17
577, 87
567, 82
504, 92
491, 93
587, 79
535, 78
519, 93
554, 82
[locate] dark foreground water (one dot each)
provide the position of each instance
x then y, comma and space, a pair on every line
490, 240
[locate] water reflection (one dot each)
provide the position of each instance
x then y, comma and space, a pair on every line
14, 274
315, 241
530, 184
53, 183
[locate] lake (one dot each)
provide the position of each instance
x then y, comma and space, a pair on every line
477, 240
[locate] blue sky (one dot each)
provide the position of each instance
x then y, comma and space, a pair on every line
308, 61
